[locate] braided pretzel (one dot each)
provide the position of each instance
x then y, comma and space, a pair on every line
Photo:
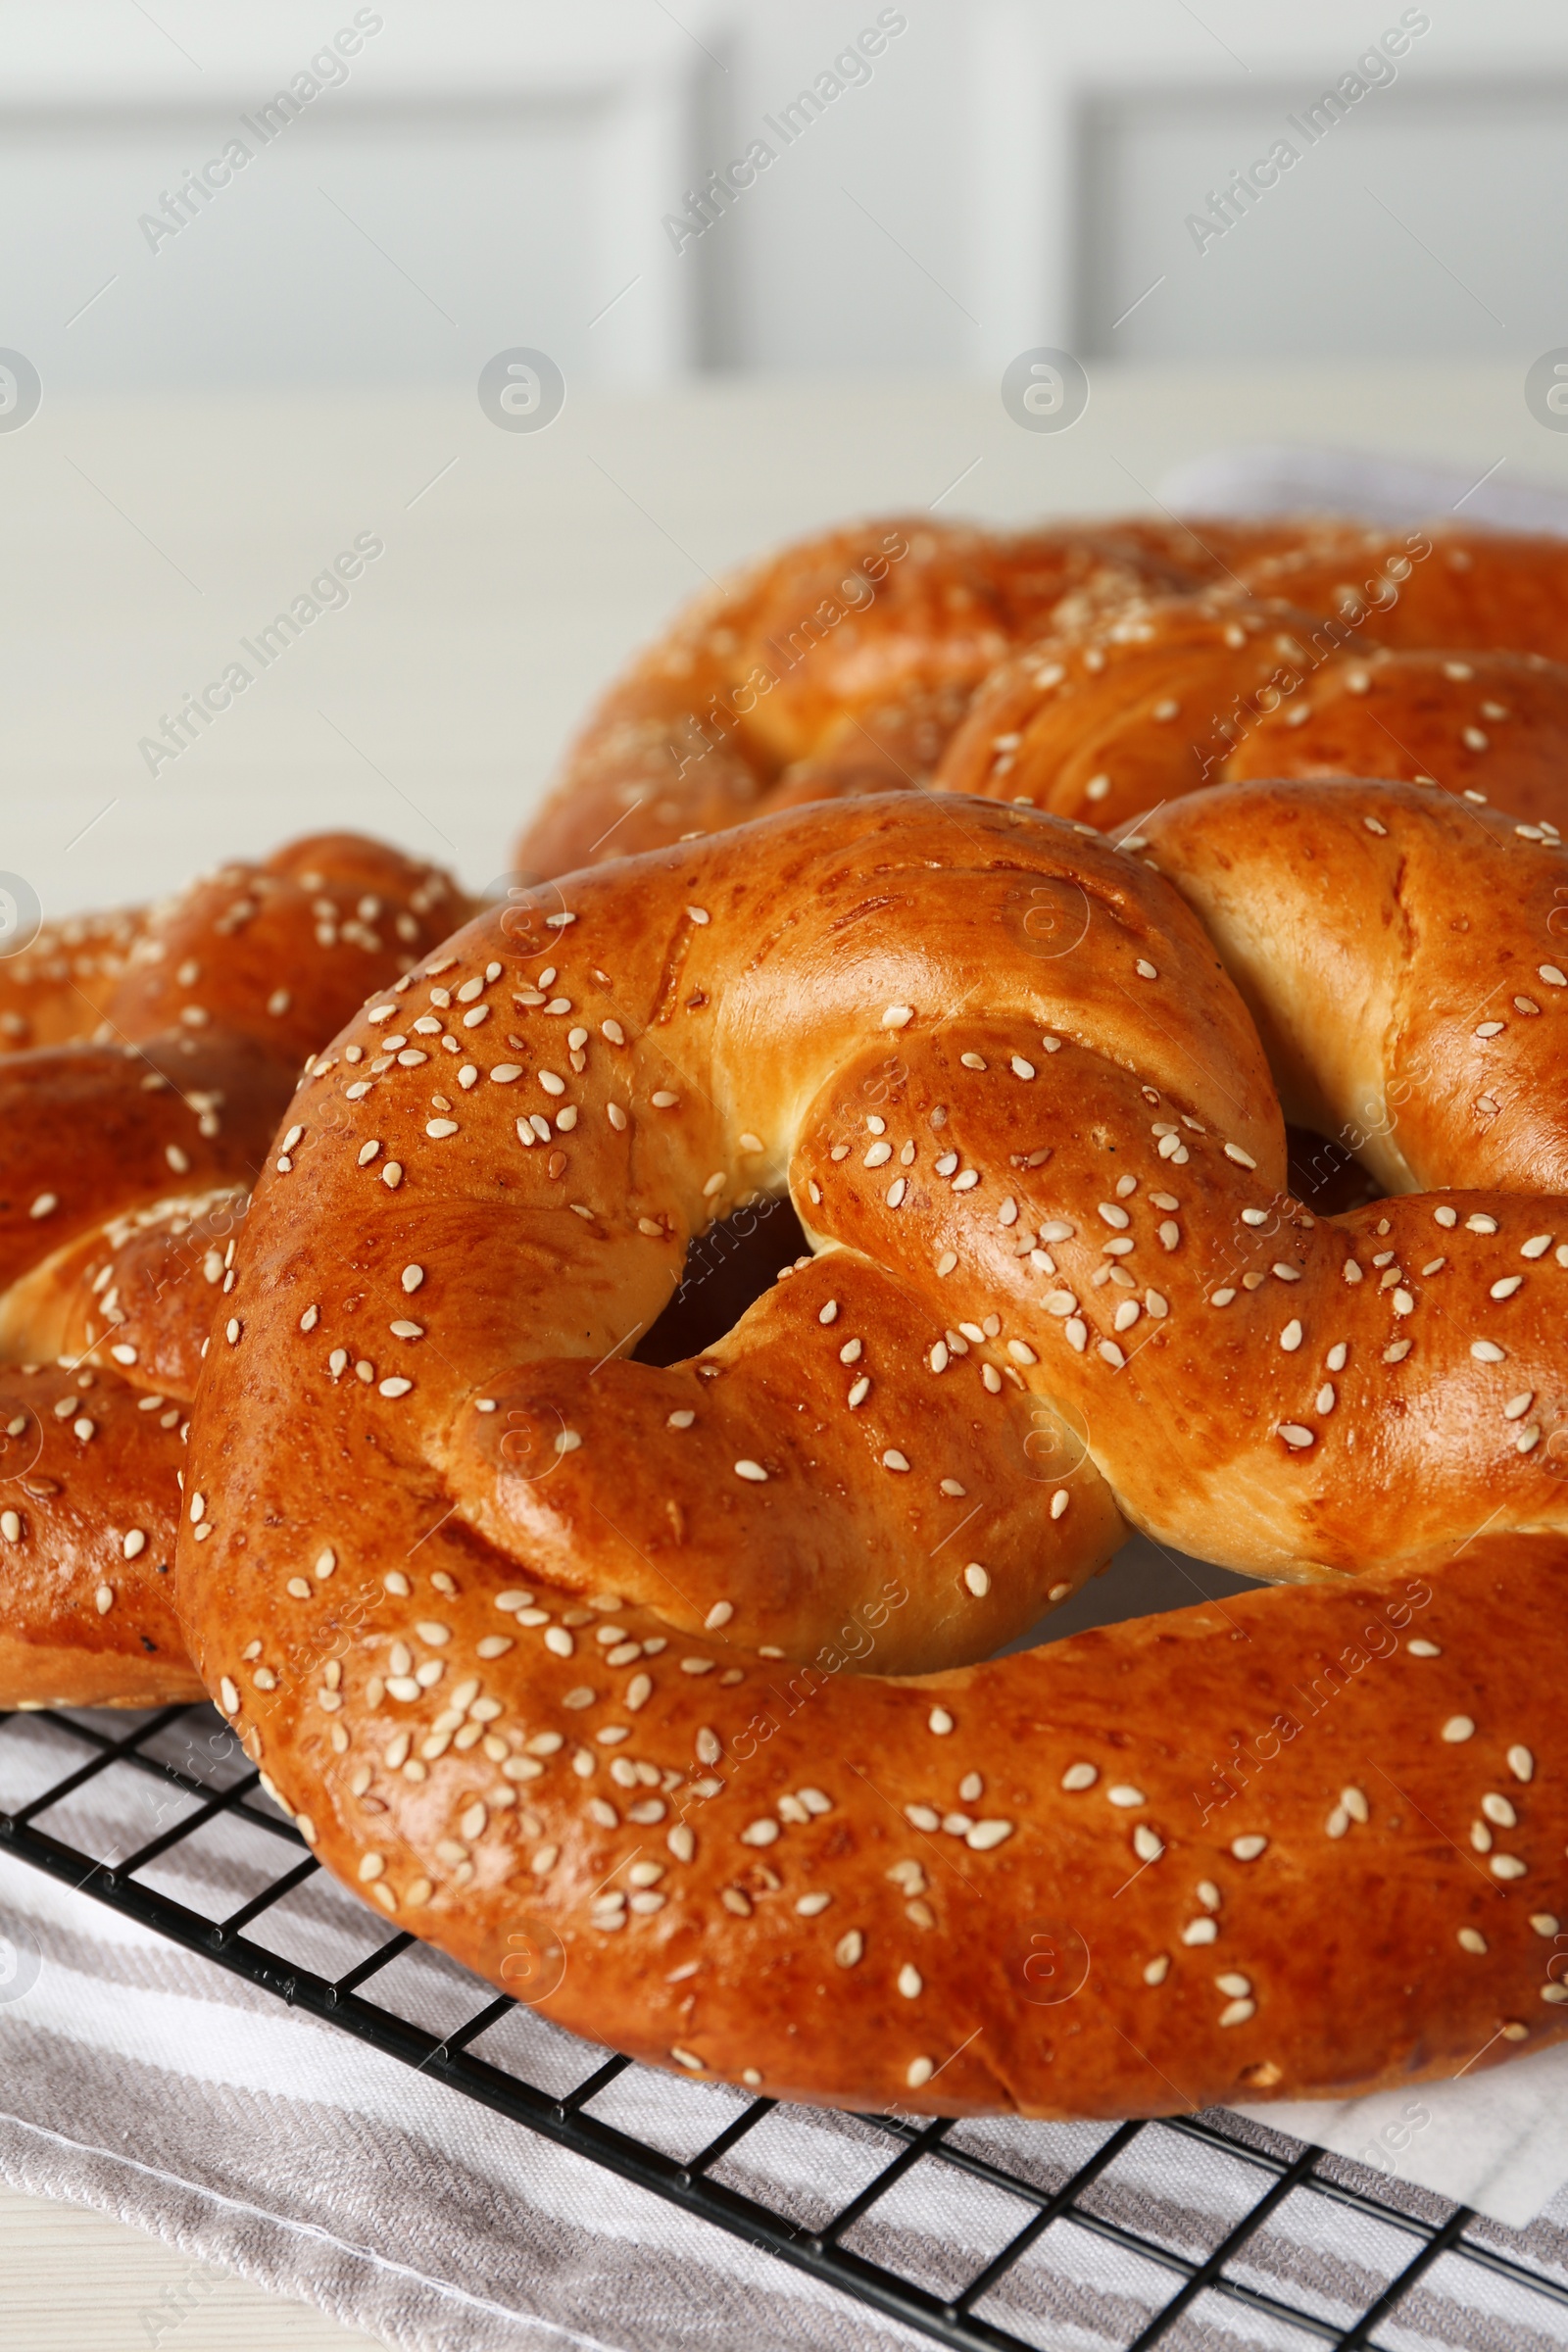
125, 1166
840, 665
571, 1698
1141, 705
775, 692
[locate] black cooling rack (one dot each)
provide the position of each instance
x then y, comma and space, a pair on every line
1270, 2169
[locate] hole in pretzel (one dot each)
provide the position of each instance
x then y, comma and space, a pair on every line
1325, 1177
726, 1268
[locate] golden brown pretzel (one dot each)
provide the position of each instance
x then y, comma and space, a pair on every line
545, 1649
775, 690
1137, 706
838, 665
124, 1167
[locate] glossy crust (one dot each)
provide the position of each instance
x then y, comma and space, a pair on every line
58, 986
597, 1673
840, 665
1137, 708
125, 1165
1444, 587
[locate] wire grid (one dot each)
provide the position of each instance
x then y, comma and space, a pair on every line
1275, 2173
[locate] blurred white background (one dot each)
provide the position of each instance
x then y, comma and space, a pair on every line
999, 173
241, 372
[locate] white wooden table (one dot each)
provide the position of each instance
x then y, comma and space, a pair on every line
143, 541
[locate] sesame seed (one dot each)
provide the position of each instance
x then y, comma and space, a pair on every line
1458, 1728
850, 1948
1243, 1160
1146, 1846
1296, 1437
1247, 1849
977, 1579
1521, 1763
988, 1834
920, 2073
1291, 1337
1058, 1504
1200, 1931
1506, 1866
1080, 1776
1156, 1971
939, 1721
910, 1983
898, 1017
893, 1460
752, 1471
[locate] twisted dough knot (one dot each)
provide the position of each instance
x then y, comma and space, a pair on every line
125, 1163
1093, 670
1133, 708
618, 1659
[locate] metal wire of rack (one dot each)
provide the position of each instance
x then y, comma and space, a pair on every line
1277, 2170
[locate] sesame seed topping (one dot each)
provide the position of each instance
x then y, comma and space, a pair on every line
1458, 1728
